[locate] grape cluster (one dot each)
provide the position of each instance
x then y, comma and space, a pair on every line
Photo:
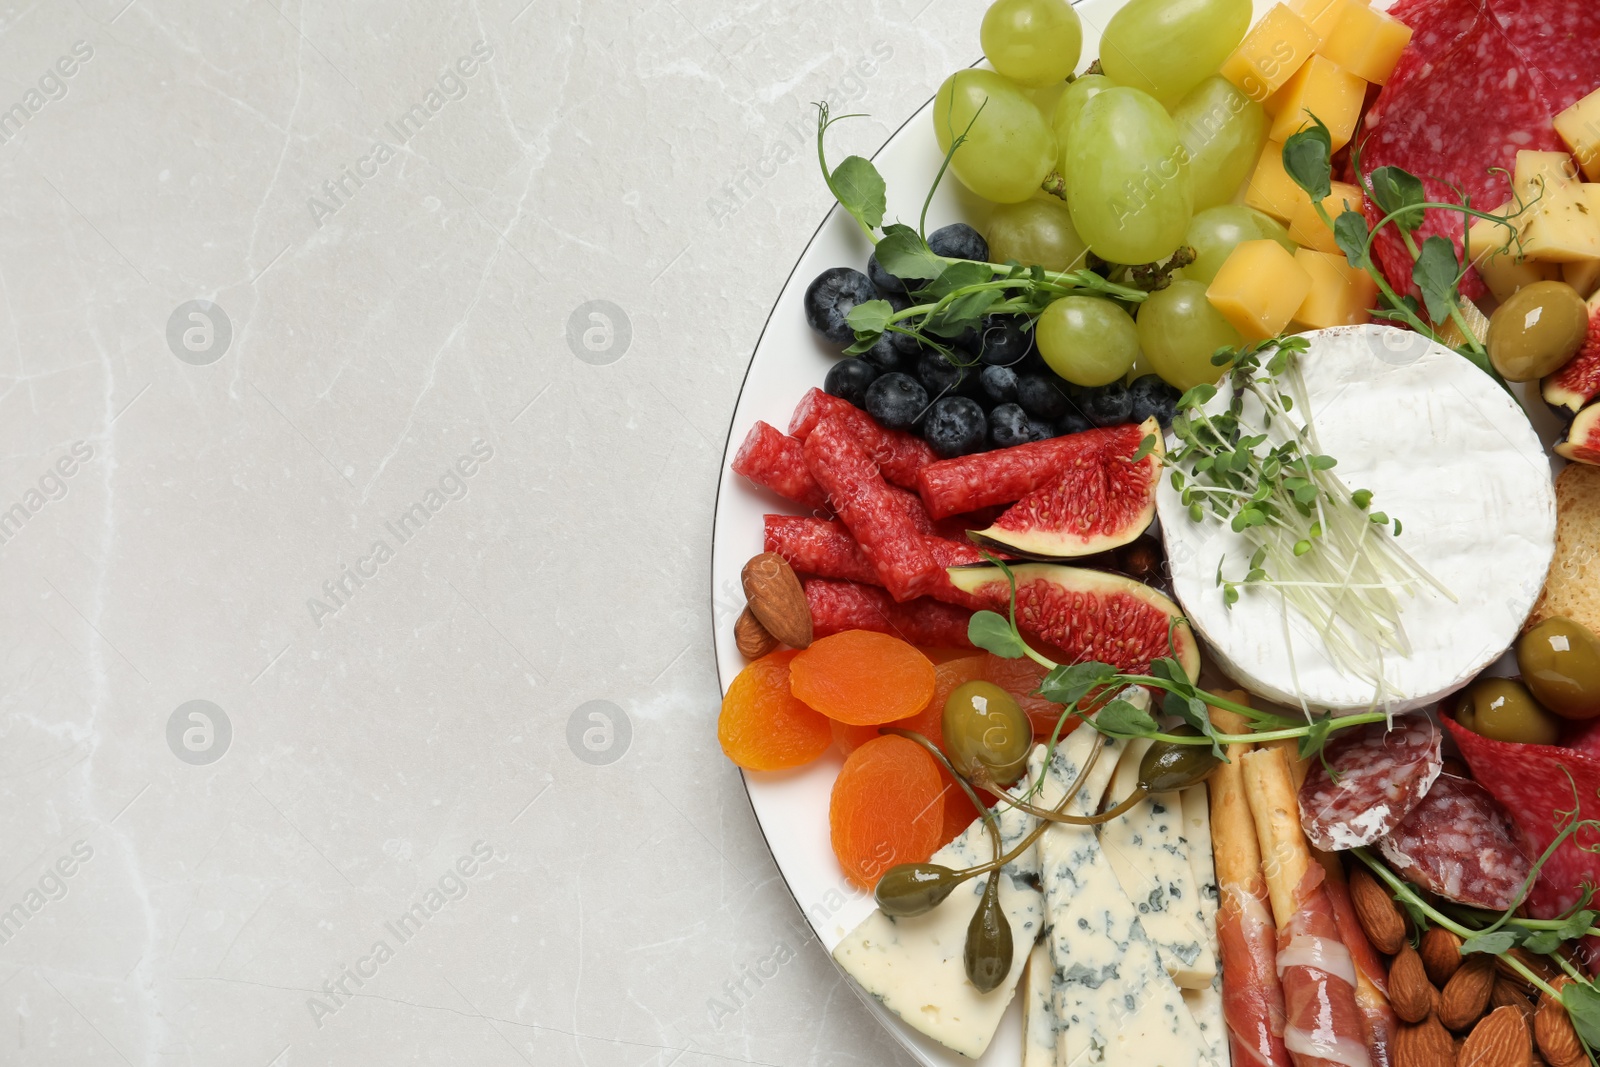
993, 390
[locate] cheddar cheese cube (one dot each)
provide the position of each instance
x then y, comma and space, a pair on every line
1321, 88
1323, 15
1307, 227
1366, 42
1579, 126
1341, 295
1584, 274
1537, 170
1259, 289
1270, 54
1270, 189
1496, 253
1560, 225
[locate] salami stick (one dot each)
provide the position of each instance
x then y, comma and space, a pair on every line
1323, 1025
1252, 999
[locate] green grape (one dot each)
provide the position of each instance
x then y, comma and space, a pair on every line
1032, 42
1216, 232
1080, 92
1009, 149
1127, 180
1087, 340
1179, 330
1035, 232
1164, 47
1223, 129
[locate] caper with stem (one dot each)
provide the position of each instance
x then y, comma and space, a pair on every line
988, 952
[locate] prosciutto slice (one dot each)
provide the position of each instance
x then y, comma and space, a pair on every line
1323, 1026
1252, 998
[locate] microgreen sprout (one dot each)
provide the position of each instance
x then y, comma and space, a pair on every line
950, 297
1319, 545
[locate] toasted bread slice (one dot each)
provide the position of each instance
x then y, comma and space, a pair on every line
1572, 589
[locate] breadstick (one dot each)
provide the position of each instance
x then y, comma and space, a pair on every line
1285, 855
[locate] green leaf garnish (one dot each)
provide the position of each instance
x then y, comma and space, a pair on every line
1399, 193
993, 633
1436, 272
1308, 159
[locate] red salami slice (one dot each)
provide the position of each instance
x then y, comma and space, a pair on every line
1459, 844
898, 455
776, 462
1558, 39
1456, 118
1541, 786
839, 606
1378, 776
827, 550
952, 486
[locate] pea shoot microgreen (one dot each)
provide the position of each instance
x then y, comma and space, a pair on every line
1260, 471
949, 297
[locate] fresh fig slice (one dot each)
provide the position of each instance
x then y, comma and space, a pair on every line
1582, 443
1089, 615
1100, 502
1578, 380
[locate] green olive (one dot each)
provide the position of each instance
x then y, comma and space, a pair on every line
1167, 766
1504, 710
1560, 662
1536, 330
984, 726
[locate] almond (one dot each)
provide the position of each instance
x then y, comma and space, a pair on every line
777, 599
1441, 954
1411, 995
1510, 994
1558, 1041
1377, 912
752, 638
1425, 1044
1466, 995
1500, 1040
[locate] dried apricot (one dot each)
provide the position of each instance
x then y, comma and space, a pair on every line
929, 722
1021, 678
887, 808
863, 678
763, 726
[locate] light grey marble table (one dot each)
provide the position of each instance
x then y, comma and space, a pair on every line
329, 510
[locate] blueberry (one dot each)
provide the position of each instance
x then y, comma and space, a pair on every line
939, 376
896, 400
830, 298
886, 357
959, 241
848, 380
1009, 425
999, 384
1072, 422
887, 283
1040, 431
1153, 397
903, 343
1042, 397
956, 426
1109, 405
1004, 341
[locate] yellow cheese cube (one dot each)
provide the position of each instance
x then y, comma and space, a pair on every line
1552, 169
1563, 227
1307, 227
1280, 43
1579, 126
1494, 253
1259, 288
1366, 42
1271, 189
1321, 88
1341, 295
1323, 15
1583, 276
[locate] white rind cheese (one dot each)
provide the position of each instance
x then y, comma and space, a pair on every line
1148, 852
1113, 1001
1038, 1014
1205, 1004
915, 966
1442, 448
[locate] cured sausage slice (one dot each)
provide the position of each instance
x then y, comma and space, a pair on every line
775, 461
968, 483
1459, 843
898, 455
840, 606
1378, 776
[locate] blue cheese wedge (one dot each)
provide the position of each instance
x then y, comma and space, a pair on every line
1442, 448
1150, 856
1038, 1013
1113, 1001
1205, 1004
915, 966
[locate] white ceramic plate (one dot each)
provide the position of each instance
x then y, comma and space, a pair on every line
792, 807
